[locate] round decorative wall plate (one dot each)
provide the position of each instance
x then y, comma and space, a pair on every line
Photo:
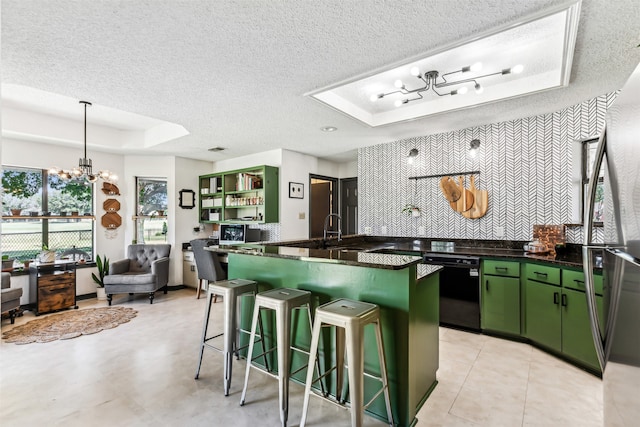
111, 220
111, 205
110, 189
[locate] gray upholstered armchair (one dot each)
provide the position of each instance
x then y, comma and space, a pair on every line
145, 270
10, 297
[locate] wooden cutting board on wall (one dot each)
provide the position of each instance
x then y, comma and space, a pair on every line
466, 200
449, 189
480, 204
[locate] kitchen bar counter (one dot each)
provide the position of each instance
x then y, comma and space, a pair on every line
408, 296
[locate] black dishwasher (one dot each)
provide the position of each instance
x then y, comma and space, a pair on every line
459, 290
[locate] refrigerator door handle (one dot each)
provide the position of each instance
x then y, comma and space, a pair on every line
597, 334
587, 260
593, 184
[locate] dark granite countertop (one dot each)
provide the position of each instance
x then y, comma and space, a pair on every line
421, 246
336, 255
398, 252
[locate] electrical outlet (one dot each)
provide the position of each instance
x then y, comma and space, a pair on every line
421, 230
383, 230
367, 230
499, 232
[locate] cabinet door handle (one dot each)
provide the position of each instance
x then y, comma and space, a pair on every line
578, 281
486, 285
564, 300
556, 297
540, 274
502, 269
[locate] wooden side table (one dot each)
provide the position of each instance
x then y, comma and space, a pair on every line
53, 285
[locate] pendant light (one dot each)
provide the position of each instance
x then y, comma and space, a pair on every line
84, 170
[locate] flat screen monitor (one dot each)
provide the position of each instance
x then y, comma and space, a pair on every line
233, 234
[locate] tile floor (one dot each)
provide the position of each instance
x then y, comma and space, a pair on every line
141, 374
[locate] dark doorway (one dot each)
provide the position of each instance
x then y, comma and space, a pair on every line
349, 205
321, 203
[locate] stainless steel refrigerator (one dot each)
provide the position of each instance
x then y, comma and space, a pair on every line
617, 335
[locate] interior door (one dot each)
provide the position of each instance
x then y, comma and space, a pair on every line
349, 205
320, 207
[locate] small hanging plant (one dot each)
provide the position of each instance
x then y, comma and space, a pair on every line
411, 209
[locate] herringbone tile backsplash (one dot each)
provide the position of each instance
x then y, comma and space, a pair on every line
524, 164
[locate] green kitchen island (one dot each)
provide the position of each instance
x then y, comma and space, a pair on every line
406, 291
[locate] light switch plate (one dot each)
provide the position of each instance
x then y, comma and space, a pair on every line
421, 231
367, 230
301, 215
383, 230
499, 232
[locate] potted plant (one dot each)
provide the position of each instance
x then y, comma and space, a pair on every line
47, 255
411, 210
7, 263
103, 269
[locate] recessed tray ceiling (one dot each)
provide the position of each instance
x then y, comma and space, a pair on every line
542, 44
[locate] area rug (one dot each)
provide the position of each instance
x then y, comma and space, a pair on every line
70, 324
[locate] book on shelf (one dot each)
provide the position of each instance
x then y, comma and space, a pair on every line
247, 181
215, 184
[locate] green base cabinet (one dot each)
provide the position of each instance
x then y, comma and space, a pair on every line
500, 293
577, 341
557, 316
543, 314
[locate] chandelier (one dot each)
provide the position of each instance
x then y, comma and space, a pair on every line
429, 81
84, 170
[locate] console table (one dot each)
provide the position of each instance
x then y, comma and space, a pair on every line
53, 285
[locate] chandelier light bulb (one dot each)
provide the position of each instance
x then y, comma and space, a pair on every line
462, 90
517, 69
54, 171
373, 97
415, 71
398, 84
479, 89
398, 103
477, 66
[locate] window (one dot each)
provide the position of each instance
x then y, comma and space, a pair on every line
35, 207
151, 224
589, 148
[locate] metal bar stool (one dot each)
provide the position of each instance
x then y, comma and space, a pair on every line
349, 317
283, 301
231, 291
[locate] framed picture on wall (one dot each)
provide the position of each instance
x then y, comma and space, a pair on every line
296, 190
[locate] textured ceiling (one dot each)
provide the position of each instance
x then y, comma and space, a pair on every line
234, 73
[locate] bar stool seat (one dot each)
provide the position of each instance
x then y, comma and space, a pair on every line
282, 301
349, 317
231, 291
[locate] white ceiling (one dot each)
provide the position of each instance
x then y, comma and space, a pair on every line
234, 73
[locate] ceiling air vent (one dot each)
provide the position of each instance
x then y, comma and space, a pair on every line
214, 149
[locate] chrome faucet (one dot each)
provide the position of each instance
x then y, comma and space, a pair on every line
339, 227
